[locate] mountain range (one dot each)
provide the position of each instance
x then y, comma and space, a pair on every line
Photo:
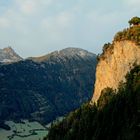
43, 88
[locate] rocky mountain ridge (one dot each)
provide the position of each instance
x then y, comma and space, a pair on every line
8, 55
64, 54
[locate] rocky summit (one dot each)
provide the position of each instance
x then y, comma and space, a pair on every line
9, 55
63, 55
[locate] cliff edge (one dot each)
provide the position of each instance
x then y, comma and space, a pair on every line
117, 59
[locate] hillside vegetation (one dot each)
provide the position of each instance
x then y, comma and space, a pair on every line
131, 34
116, 115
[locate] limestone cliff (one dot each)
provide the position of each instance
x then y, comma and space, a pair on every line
114, 64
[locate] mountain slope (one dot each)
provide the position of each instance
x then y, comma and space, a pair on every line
42, 90
8, 55
116, 116
114, 112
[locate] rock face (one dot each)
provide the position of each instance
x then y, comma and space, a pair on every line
8, 55
116, 62
46, 87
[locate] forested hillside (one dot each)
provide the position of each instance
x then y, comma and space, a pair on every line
43, 90
116, 115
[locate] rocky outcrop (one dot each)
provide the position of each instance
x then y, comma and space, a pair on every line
8, 55
114, 64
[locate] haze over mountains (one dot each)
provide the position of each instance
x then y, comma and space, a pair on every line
46, 87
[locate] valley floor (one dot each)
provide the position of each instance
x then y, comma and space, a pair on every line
24, 131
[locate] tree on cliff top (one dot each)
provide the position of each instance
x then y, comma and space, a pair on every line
134, 21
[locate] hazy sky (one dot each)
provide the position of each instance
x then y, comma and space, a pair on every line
36, 27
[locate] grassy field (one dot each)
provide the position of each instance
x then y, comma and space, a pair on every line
23, 131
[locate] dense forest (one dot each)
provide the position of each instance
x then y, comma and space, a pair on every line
115, 116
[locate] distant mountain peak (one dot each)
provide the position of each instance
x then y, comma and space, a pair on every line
69, 53
8, 55
9, 48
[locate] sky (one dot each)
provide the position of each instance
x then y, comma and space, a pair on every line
38, 27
